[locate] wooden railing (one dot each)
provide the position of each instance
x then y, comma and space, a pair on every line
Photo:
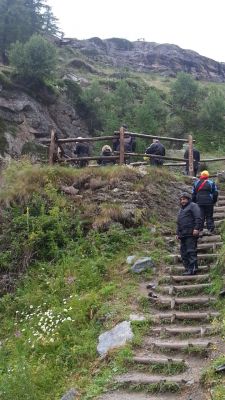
56, 147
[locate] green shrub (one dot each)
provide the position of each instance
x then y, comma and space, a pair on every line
36, 59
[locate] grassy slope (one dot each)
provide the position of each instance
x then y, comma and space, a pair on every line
214, 381
77, 285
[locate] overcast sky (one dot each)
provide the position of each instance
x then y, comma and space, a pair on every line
191, 24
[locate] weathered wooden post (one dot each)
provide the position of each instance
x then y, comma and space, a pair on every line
122, 130
52, 147
190, 155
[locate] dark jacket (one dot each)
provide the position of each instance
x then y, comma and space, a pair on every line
205, 195
106, 153
156, 149
196, 157
129, 143
82, 149
188, 219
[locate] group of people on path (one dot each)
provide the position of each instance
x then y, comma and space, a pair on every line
196, 209
82, 149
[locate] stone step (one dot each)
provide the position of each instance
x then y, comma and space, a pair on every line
178, 344
146, 379
174, 301
208, 239
186, 330
219, 209
157, 359
186, 278
187, 315
219, 222
217, 215
182, 288
122, 395
221, 203
209, 245
211, 256
180, 269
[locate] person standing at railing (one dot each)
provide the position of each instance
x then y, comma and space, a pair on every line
106, 152
82, 149
129, 142
196, 163
156, 148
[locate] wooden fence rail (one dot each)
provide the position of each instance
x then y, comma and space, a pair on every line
56, 147
111, 137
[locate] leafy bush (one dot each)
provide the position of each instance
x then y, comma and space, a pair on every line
36, 59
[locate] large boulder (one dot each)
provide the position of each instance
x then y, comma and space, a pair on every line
25, 120
116, 337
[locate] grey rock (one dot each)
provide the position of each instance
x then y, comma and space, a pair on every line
221, 176
164, 59
116, 337
130, 259
71, 395
70, 190
142, 264
33, 119
137, 317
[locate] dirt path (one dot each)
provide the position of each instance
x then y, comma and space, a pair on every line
182, 339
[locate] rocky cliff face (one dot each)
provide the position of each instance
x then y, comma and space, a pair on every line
25, 121
141, 56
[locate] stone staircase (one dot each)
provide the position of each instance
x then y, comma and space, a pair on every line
182, 338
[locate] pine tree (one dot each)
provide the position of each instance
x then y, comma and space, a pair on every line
20, 19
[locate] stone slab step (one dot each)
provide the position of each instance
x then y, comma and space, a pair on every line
157, 359
219, 209
221, 203
212, 256
181, 288
217, 216
209, 245
178, 345
173, 301
122, 395
180, 268
219, 222
145, 379
189, 330
208, 239
185, 315
186, 278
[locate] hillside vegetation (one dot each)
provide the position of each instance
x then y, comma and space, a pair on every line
64, 278
63, 273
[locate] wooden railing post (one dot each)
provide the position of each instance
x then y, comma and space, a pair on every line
121, 146
52, 147
190, 154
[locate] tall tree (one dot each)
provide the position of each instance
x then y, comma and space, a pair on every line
212, 111
184, 93
20, 19
151, 114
